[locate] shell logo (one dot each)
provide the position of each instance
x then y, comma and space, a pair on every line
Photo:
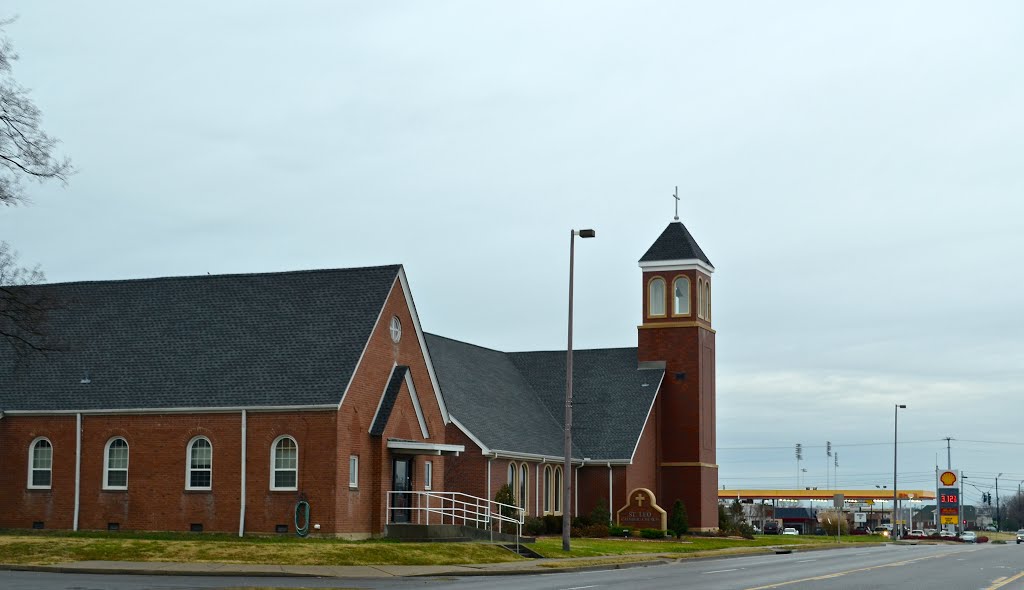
947, 478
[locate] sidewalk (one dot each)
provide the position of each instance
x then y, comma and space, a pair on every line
525, 567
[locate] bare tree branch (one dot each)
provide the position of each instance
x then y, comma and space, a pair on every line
26, 151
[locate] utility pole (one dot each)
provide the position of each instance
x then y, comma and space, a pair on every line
949, 462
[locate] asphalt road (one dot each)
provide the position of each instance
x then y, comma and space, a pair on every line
930, 567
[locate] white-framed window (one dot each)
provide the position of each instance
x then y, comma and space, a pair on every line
700, 298
284, 464
396, 329
707, 300
556, 492
428, 475
353, 471
199, 464
524, 485
656, 297
40, 464
681, 296
547, 489
115, 464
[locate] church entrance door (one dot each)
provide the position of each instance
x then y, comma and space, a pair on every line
402, 482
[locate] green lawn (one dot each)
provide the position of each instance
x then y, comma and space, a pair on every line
44, 548
552, 546
50, 548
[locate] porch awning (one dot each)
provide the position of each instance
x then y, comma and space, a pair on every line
411, 447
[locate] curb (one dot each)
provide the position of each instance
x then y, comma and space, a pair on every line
61, 569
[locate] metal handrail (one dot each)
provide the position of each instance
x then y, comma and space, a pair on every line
455, 506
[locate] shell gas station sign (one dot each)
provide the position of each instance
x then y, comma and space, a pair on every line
947, 496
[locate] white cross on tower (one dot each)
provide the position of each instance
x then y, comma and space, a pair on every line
675, 196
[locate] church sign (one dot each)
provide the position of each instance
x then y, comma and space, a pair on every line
642, 511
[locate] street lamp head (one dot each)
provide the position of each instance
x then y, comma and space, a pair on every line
901, 406
586, 233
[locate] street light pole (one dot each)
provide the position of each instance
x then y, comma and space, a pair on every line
895, 438
999, 522
567, 467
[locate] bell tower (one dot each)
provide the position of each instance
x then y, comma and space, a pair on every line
676, 333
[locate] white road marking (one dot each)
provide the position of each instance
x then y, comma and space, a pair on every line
805, 560
735, 569
582, 587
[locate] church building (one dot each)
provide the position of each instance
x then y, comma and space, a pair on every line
219, 403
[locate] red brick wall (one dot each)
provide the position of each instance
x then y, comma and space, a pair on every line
156, 498
364, 510
20, 505
643, 473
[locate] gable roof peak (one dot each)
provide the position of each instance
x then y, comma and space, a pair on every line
675, 243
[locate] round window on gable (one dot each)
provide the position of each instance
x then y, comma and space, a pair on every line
396, 329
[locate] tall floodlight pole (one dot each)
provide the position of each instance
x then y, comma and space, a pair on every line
567, 467
895, 439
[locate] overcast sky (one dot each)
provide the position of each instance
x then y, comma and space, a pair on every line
854, 173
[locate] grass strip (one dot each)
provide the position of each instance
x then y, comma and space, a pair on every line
29, 549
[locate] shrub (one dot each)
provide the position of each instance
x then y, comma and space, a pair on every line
832, 519
581, 522
600, 514
534, 526
596, 531
505, 496
652, 533
619, 531
745, 530
983, 539
552, 524
678, 524
999, 542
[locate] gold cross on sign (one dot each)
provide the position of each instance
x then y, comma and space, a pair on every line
640, 499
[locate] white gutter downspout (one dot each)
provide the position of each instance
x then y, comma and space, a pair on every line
576, 491
610, 493
536, 495
241, 510
78, 468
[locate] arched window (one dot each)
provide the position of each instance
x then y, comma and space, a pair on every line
556, 504
513, 471
547, 489
40, 464
707, 300
199, 466
115, 464
681, 296
524, 487
656, 298
700, 298
284, 464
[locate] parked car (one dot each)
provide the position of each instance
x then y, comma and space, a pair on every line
947, 534
1020, 536
757, 529
861, 530
790, 531
930, 532
917, 533
969, 537
771, 528
990, 528
881, 530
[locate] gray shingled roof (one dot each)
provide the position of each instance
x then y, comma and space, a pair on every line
387, 402
675, 243
515, 401
280, 339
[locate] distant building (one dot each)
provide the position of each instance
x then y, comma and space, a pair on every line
216, 403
